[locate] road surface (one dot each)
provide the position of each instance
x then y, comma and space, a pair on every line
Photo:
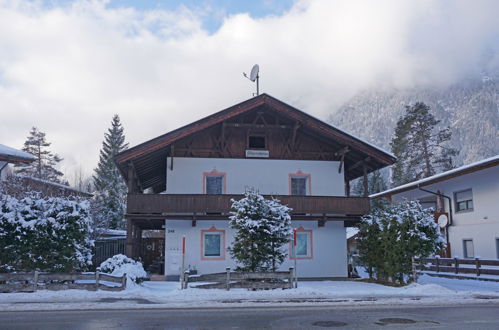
483, 316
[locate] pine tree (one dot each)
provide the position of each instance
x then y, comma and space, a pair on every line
376, 183
262, 227
421, 151
110, 188
45, 161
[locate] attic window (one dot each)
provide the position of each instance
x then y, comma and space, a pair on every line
256, 142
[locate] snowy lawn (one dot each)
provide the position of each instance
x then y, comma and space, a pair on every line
429, 290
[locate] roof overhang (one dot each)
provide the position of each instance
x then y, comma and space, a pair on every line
151, 155
460, 171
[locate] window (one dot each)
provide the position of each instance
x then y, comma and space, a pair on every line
256, 142
303, 247
468, 250
299, 184
214, 183
213, 244
464, 200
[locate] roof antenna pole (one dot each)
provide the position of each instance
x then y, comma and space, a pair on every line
254, 75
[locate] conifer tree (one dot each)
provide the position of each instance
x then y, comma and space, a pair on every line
110, 188
420, 148
262, 227
44, 166
376, 183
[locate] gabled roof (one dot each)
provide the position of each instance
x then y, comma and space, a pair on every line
377, 157
11, 155
463, 170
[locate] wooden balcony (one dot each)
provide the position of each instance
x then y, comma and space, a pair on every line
213, 207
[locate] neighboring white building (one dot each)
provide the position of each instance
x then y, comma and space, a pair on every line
192, 173
473, 193
10, 155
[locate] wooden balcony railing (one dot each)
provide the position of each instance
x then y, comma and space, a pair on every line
163, 204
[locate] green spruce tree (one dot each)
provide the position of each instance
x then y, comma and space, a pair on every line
44, 166
262, 227
376, 183
420, 148
110, 188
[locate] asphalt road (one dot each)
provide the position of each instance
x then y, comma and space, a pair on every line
484, 316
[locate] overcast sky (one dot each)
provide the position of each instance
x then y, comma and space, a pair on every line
68, 66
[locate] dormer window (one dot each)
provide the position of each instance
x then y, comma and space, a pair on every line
256, 142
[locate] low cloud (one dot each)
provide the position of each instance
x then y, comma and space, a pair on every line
68, 69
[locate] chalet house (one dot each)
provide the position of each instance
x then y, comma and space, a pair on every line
182, 182
466, 201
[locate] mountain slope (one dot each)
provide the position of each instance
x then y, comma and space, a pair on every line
470, 107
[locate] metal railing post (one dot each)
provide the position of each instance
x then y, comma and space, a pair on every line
228, 278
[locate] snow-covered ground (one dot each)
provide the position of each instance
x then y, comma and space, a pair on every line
429, 290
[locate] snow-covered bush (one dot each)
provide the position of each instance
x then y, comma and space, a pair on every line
262, 227
120, 264
49, 234
392, 235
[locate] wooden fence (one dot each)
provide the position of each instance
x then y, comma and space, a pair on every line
31, 282
105, 249
228, 280
458, 266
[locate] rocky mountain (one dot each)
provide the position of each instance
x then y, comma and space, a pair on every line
470, 107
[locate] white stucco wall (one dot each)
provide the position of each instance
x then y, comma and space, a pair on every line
329, 257
482, 223
269, 176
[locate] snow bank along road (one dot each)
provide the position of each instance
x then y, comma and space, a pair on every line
162, 295
483, 316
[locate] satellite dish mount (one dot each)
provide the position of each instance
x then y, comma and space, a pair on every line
254, 76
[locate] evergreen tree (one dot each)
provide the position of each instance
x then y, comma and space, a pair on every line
45, 161
262, 227
376, 183
391, 236
420, 149
110, 188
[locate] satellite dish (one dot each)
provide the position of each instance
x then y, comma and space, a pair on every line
254, 72
442, 220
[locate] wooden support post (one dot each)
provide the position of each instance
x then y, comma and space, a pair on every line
129, 238
186, 279
123, 281
228, 278
97, 275
291, 277
456, 265
366, 184
477, 264
35, 280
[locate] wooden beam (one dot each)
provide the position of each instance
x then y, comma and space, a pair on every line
359, 163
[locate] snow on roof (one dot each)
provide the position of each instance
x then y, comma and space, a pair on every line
55, 184
15, 155
352, 231
440, 176
112, 232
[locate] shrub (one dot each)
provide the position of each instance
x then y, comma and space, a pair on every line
45, 233
392, 235
119, 264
